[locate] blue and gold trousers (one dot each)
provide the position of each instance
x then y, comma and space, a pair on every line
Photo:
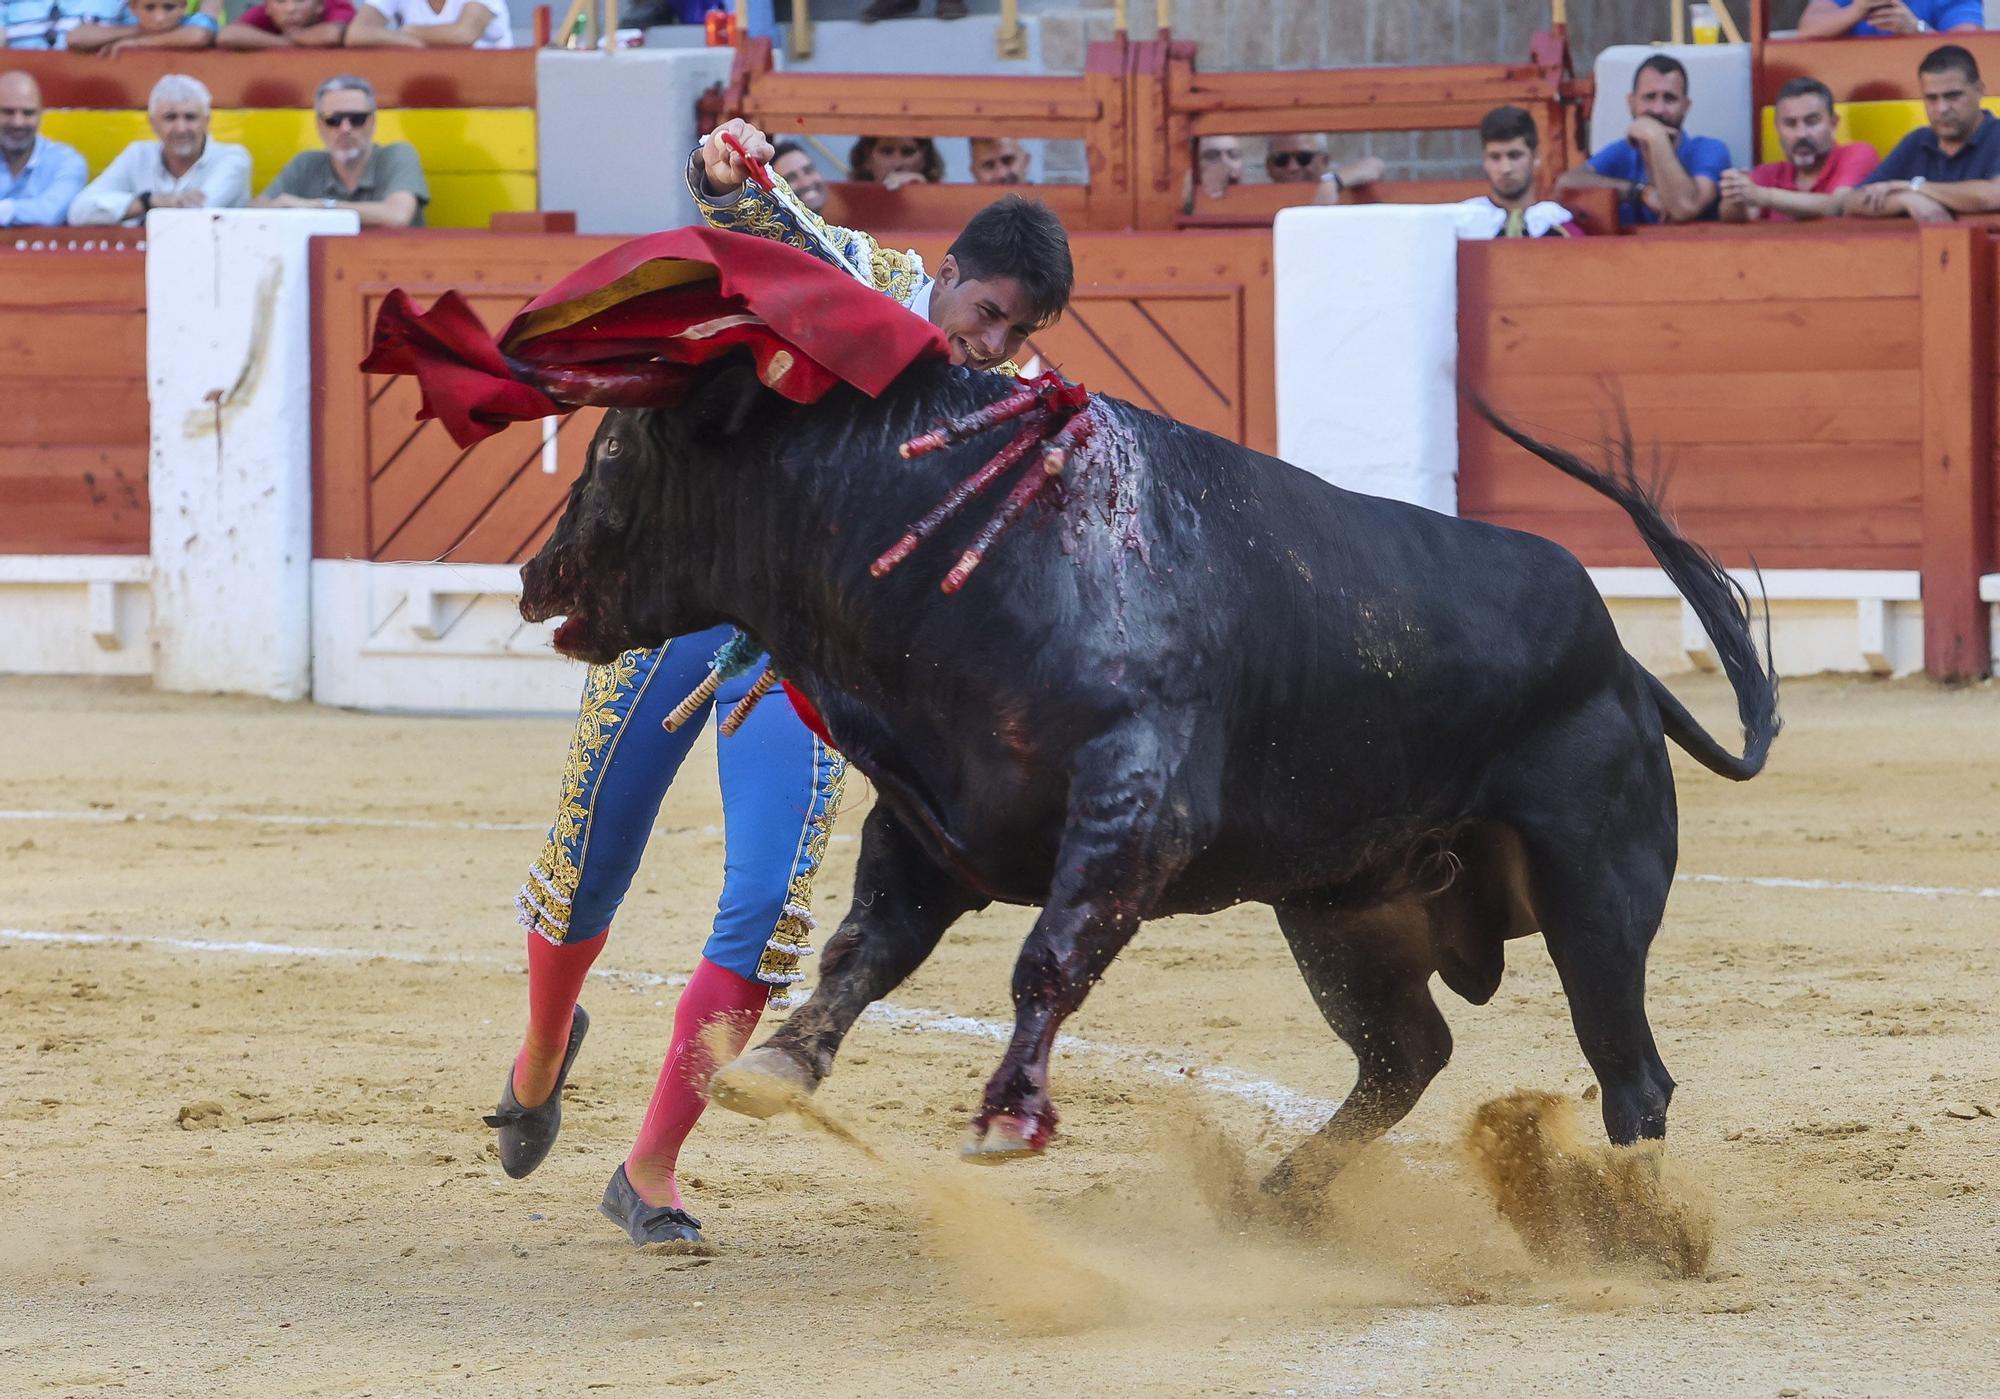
780, 788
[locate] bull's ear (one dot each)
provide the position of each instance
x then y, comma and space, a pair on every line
725, 400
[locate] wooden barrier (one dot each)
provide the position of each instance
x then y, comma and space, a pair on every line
73, 417
1819, 401
1139, 107
285, 77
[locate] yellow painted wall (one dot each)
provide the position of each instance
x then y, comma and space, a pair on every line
1880, 124
478, 160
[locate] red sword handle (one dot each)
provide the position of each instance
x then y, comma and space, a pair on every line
756, 167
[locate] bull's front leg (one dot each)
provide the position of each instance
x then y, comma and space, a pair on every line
903, 902
1118, 851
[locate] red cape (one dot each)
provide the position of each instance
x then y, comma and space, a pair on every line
630, 327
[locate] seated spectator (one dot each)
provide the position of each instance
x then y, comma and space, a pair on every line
1300, 158
280, 24
1951, 166
181, 170
47, 24
383, 184
1662, 174
1802, 185
431, 24
895, 161
146, 24
1218, 164
1836, 19
795, 167
38, 177
1509, 152
999, 160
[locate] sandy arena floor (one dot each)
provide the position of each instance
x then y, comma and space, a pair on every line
300, 917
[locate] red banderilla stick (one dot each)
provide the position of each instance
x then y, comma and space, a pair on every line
1022, 443
750, 163
955, 430
1055, 456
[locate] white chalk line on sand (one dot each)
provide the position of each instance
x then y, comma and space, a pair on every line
95, 816
1287, 1106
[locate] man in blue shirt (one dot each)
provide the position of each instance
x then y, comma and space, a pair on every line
1836, 19
1662, 175
38, 177
1947, 168
45, 24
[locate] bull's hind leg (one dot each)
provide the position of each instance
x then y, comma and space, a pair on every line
1601, 864
1369, 973
903, 902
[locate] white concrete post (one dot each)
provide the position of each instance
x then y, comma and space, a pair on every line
1367, 325
229, 371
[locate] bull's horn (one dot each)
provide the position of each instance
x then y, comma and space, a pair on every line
651, 385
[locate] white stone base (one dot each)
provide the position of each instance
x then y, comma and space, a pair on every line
444, 638
75, 614
1839, 620
1989, 592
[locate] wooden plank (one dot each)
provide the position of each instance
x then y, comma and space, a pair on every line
1701, 406
59, 342
1802, 477
1190, 323
458, 496
1854, 540
409, 469
1808, 266
74, 500
286, 77
1957, 467
42, 411
94, 280
1882, 69
1862, 334
1491, 83
1171, 384
514, 524
941, 208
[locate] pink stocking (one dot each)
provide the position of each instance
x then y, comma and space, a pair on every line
555, 978
712, 994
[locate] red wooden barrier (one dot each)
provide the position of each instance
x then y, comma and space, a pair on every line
73, 417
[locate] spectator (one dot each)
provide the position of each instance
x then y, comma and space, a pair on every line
181, 170
900, 9
796, 168
145, 24
1509, 146
1662, 174
383, 184
1296, 159
279, 24
1218, 164
1801, 186
38, 177
46, 24
999, 160
1834, 19
1951, 166
431, 24
895, 161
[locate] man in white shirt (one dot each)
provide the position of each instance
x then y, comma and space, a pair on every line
181, 170
1509, 153
427, 24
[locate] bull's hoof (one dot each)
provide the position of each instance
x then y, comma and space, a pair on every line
761, 1083
1001, 1138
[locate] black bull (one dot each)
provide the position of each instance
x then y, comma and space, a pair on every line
1199, 677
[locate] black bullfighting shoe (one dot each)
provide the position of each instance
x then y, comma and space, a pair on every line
644, 1223
527, 1134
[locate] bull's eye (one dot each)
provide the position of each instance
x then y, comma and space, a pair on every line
613, 447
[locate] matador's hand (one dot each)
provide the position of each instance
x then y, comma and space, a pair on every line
722, 167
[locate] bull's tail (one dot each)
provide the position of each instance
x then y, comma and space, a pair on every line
1718, 600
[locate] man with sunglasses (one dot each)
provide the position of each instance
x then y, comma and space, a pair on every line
1302, 157
383, 184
